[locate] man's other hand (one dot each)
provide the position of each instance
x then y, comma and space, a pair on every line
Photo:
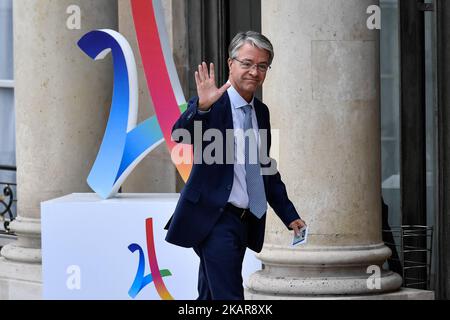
297, 225
207, 91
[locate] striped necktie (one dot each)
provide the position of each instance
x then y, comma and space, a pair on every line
254, 180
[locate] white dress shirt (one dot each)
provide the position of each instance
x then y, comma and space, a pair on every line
239, 195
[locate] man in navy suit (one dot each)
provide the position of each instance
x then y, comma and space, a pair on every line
221, 210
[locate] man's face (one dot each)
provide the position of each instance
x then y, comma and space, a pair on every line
247, 81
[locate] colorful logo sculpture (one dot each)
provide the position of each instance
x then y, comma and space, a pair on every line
140, 281
125, 143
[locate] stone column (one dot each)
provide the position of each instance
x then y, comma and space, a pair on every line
62, 101
323, 93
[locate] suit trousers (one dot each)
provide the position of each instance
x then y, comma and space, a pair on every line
221, 255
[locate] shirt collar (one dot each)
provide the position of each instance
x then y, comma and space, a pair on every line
236, 99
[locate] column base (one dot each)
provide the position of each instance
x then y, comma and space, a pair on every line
20, 281
264, 283
20, 262
323, 271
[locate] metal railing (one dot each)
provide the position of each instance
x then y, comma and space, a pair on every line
412, 254
7, 200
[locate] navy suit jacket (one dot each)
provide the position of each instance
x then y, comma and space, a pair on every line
203, 199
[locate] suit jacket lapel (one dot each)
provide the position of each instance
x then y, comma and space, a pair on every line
259, 117
225, 105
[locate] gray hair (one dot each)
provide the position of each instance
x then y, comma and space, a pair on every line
254, 38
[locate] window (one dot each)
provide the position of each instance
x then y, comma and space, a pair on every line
7, 116
408, 135
7, 134
390, 109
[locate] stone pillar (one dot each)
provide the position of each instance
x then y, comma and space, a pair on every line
323, 93
62, 101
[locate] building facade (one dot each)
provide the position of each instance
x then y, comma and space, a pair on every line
358, 99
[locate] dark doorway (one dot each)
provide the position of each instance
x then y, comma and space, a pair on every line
211, 26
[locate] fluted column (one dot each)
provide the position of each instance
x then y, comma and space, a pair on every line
323, 93
62, 101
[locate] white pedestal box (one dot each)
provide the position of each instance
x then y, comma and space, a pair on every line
104, 249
